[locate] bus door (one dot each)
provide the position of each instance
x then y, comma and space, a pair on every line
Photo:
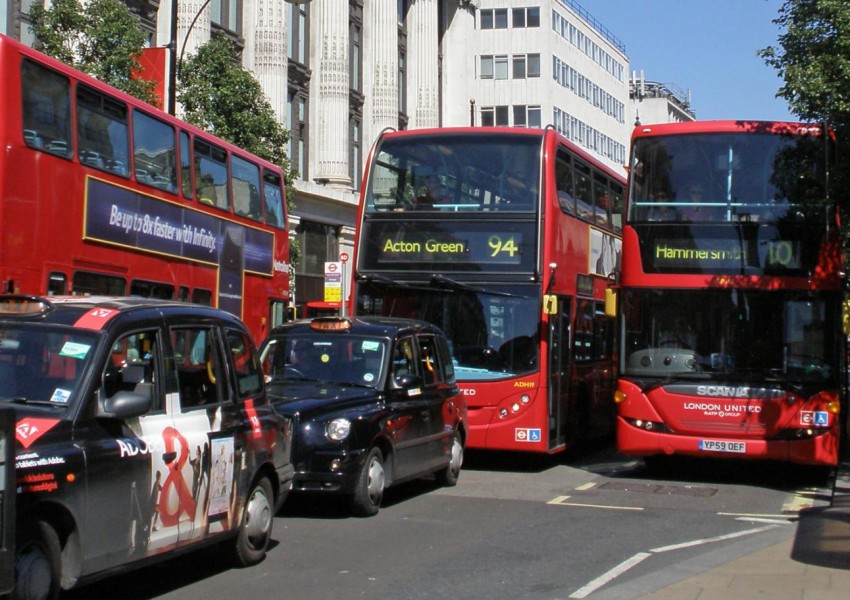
7, 500
559, 372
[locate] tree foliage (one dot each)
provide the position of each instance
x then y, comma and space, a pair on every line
219, 95
813, 60
102, 39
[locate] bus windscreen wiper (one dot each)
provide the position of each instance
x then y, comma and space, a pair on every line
447, 283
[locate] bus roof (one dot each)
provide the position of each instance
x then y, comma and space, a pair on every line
691, 127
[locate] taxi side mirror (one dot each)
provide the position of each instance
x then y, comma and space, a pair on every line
123, 405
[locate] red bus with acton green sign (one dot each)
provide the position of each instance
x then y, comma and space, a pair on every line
103, 194
730, 298
504, 238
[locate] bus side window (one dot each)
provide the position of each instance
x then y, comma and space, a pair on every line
154, 152
246, 188
211, 175
564, 183
102, 132
46, 109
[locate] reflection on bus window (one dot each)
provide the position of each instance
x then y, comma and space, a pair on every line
273, 194
211, 175
102, 138
449, 173
246, 188
154, 153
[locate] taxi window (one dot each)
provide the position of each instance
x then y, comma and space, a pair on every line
430, 366
404, 361
131, 367
245, 363
42, 366
198, 361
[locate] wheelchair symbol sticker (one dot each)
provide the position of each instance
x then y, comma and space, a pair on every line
528, 435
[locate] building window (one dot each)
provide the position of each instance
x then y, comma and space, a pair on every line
297, 123
355, 153
526, 116
355, 57
494, 18
486, 69
297, 33
402, 81
226, 13
501, 67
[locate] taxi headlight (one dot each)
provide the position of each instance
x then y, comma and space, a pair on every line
338, 429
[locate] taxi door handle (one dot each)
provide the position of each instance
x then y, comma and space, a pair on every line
169, 457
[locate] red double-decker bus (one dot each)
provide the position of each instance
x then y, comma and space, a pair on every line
101, 193
731, 294
505, 238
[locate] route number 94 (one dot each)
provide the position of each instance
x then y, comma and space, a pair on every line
500, 246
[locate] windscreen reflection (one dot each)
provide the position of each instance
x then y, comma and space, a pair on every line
493, 332
730, 333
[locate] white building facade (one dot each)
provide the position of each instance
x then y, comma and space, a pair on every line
338, 72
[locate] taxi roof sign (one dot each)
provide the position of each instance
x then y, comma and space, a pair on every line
330, 324
24, 306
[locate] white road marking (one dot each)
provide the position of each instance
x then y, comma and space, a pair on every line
624, 566
562, 501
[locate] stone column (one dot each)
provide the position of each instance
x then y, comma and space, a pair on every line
265, 49
380, 68
331, 102
422, 63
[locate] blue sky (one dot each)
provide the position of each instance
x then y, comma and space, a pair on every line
707, 47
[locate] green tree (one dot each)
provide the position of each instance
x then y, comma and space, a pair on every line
221, 96
103, 39
813, 59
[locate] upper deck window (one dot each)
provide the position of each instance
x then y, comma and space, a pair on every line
154, 152
246, 188
46, 109
211, 174
102, 133
715, 177
273, 195
455, 173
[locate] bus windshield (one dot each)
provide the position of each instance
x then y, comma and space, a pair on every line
747, 176
449, 172
780, 335
493, 331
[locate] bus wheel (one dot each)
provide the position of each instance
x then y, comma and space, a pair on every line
37, 562
369, 489
449, 476
255, 531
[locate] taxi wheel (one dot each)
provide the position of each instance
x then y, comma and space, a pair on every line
369, 490
37, 562
449, 475
255, 531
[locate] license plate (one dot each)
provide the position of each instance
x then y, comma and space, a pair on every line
722, 446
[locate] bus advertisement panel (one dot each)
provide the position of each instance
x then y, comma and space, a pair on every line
504, 238
730, 323
102, 194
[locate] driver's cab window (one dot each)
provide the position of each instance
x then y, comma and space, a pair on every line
132, 366
199, 367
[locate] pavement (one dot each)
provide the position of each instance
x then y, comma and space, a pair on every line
809, 560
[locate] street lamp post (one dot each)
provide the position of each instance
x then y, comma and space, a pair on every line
174, 62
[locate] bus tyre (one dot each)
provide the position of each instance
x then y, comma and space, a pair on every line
37, 562
449, 475
255, 530
369, 488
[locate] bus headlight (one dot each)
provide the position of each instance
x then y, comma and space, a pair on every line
338, 429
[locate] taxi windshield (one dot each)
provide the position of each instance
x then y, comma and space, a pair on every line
328, 358
41, 365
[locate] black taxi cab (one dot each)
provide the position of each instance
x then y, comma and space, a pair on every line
373, 402
141, 428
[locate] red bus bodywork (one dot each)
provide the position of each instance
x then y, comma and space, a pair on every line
756, 285
505, 277
71, 224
